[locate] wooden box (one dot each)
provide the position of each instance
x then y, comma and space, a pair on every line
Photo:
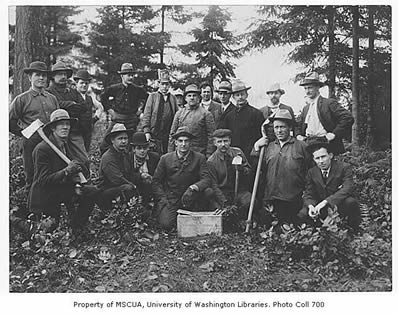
195, 224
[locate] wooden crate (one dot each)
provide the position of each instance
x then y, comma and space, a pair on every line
195, 224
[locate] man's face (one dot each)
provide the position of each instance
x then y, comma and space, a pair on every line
120, 141
38, 80
141, 151
311, 91
164, 87
82, 86
240, 97
180, 100
60, 77
183, 144
322, 158
224, 97
206, 93
192, 99
61, 129
274, 96
128, 78
222, 143
282, 130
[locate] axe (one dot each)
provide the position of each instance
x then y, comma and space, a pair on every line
237, 161
37, 126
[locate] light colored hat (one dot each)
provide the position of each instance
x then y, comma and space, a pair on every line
56, 116
192, 88
282, 114
60, 66
36, 66
126, 68
117, 128
179, 92
275, 87
312, 79
224, 86
238, 86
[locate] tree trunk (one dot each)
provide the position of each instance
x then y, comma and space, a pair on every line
355, 77
332, 53
162, 32
29, 42
371, 80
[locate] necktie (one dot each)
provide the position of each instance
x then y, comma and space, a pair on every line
324, 175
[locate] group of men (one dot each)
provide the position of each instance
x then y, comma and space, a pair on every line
184, 151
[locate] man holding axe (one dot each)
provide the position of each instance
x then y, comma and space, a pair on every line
58, 175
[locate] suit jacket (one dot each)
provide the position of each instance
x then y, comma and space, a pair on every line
221, 119
334, 118
339, 185
269, 128
216, 111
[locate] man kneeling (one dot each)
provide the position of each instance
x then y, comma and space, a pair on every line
180, 179
329, 184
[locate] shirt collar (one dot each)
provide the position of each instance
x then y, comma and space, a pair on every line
206, 103
181, 157
37, 93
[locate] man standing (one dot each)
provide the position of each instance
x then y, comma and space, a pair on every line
180, 98
36, 103
180, 179
54, 181
329, 184
244, 120
285, 165
123, 100
274, 93
199, 121
208, 103
323, 117
159, 112
224, 91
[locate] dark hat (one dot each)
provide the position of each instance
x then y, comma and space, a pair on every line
164, 76
116, 129
139, 139
317, 143
82, 75
192, 88
281, 114
312, 79
60, 66
238, 86
224, 86
56, 116
126, 68
36, 66
183, 131
275, 87
222, 133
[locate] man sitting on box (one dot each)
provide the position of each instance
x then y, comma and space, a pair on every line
179, 180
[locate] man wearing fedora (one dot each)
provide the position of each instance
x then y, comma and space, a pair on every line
323, 117
244, 120
54, 181
180, 180
274, 93
199, 121
116, 169
36, 103
160, 108
224, 92
329, 184
206, 92
286, 161
123, 101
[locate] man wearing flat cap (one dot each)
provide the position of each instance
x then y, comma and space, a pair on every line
274, 93
286, 161
36, 103
123, 101
207, 102
54, 181
160, 108
224, 92
180, 180
323, 117
199, 121
244, 120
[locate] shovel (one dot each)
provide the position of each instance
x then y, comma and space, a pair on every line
37, 126
237, 161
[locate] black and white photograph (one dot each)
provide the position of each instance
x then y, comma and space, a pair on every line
198, 157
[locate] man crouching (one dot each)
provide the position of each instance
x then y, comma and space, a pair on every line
179, 180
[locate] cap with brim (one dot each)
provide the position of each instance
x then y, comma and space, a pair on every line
179, 92
116, 129
183, 131
314, 145
274, 88
126, 68
224, 87
238, 86
60, 66
56, 116
82, 75
312, 79
36, 66
192, 88
222, 133
139, 139
281, 114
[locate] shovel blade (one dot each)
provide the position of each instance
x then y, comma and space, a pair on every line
32, 128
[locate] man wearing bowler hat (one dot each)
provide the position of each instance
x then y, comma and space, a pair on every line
224, 92
323, 117
160, 108
123, 101
244, 120
36, 103
199, 121
274, 93
54, 181
180, 180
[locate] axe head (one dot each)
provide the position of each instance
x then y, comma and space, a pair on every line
237, 160
32, 128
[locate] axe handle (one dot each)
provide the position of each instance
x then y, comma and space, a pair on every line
59, 153
253, 198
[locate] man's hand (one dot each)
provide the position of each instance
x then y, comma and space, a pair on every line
260, 143
146, 177
330, 136
301, 138
148, 136
73, 168
186, 198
